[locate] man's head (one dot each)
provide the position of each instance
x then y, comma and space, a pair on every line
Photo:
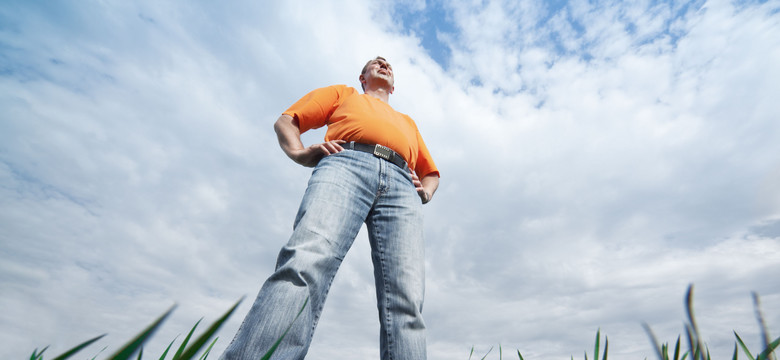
377, 69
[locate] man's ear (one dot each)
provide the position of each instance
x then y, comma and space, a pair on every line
392, 88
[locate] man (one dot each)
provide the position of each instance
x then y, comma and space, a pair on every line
366, 171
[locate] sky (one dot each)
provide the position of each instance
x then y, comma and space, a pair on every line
597, 158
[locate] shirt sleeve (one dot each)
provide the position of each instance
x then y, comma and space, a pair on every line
425, 165
314, 109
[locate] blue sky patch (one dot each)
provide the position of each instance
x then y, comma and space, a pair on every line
430, 25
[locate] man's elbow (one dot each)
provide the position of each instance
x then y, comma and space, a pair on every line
282, 122
286, 124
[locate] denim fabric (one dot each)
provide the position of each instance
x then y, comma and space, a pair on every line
346, 190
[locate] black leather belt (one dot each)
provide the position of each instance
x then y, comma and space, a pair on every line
379, 151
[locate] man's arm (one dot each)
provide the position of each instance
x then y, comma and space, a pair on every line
289, 135
425, 187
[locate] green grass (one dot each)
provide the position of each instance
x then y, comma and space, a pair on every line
692, 349
696, 348
187, 350
127, 351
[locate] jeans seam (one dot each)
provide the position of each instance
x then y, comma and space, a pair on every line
388, 318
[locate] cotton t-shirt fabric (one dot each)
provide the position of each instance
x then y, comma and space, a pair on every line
352, 116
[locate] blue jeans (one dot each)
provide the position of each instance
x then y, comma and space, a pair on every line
346, 189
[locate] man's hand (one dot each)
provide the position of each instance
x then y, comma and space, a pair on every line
425, 187
289, 136
312, 155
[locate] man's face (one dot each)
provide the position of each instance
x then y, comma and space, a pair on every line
378, 69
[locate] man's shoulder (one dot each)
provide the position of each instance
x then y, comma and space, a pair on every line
335, 93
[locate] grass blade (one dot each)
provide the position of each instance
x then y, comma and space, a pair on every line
186, 341
278, 341
38, 355
165, 353
692, 348
596, 348
486, 354
520, 355
654, 341
677, 349
193, 349
760, 317
769, 349
125, 352
606, 347
695, 338
208, 349
76, 349
99, 352
744, 348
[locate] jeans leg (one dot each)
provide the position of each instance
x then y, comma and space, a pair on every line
397, 248
334, 207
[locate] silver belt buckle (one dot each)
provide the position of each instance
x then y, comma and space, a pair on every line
383, 151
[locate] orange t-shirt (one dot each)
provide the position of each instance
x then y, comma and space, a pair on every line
352, 116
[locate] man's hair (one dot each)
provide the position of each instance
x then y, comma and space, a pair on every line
363, 72
369, 62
